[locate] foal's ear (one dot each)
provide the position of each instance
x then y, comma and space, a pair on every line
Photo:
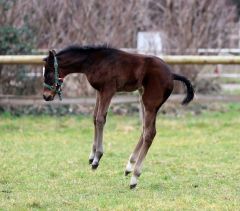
52, 52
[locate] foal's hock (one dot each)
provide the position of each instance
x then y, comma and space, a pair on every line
110, 70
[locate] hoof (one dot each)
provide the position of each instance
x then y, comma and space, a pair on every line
127, 173
133, 186
95, 166
90, 161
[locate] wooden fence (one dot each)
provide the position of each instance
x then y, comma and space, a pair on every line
119, 99
187, 59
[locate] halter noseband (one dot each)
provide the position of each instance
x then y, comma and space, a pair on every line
57, 87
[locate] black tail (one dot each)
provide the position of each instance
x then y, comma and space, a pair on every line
190, 90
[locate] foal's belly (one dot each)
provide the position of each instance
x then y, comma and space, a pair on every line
128, 86
128, 89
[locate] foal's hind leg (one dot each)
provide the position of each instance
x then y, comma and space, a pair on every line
134, 155
155, 94
104, 102
93, 150
148, 136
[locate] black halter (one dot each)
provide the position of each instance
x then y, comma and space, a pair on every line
57, 87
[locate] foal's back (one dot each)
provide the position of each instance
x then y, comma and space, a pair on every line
134, 71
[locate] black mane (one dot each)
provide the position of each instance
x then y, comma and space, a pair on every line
88, 56
78, 49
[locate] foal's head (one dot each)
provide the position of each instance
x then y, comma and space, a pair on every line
52, 81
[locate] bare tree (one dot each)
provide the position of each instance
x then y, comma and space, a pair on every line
59, 23
194, 24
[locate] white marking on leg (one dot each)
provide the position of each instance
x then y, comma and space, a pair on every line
133, 180
129, 167
91, 156
95, 161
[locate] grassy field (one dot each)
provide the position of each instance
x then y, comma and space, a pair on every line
193, 164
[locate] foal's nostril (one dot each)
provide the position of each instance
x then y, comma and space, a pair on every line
47, 98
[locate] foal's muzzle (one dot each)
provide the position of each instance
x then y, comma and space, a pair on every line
48, 97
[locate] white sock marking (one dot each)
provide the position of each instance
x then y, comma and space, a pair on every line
95, 161
91, 156
129, 167
133, 180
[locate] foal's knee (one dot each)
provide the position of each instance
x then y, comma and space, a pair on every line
100, 121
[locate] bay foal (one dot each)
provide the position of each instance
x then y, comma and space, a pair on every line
110, 70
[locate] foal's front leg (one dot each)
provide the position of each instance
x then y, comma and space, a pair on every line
93, 150
104, 102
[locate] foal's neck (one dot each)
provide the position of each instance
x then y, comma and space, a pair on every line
68, 65
85, 61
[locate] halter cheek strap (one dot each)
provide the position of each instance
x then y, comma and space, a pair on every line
57, 87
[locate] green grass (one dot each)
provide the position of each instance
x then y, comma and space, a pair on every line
231, 92
229, 80
193, 164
